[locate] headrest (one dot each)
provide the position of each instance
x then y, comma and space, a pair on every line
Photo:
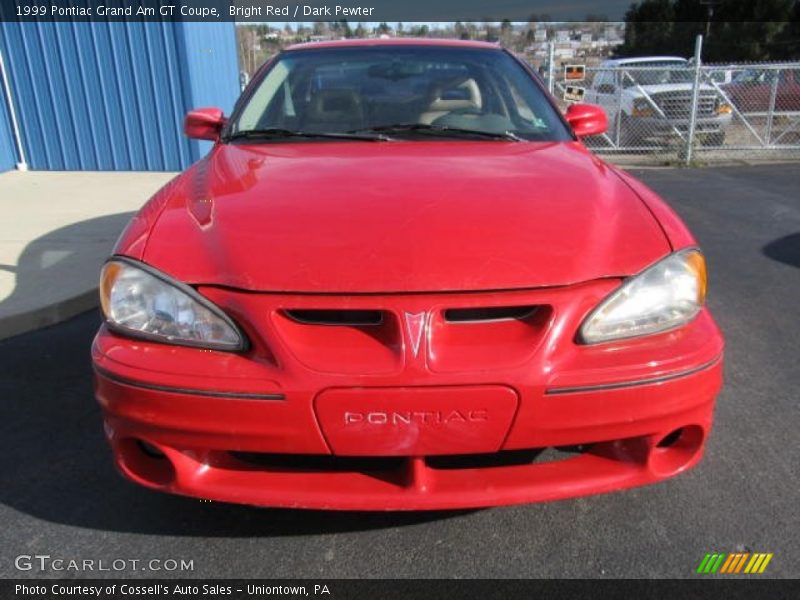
465, 94
334, 105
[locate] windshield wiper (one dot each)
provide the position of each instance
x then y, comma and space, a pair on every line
443, 130
279, 133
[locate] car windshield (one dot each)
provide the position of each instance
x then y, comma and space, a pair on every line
657, 73
754, 76
399, 92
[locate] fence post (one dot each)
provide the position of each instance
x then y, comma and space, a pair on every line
773, 94
698, 48
551, 68
618, 124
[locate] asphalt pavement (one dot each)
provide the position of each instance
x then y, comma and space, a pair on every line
60, 495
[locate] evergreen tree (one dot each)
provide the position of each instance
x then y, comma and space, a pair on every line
734, 30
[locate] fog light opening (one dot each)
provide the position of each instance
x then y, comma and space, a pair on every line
145, 463
676, 450
669, 440
150, 450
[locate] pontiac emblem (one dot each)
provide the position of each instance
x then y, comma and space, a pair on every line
415, 326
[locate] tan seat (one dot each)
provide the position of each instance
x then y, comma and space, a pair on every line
440, 106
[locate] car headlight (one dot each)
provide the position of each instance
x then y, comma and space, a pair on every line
642, 108
664, 296
141, 302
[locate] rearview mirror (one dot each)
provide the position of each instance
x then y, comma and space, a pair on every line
587, 119
204, 123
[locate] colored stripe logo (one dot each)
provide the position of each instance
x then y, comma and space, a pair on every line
734, 563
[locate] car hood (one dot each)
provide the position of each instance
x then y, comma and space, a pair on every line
669, 87
406, 216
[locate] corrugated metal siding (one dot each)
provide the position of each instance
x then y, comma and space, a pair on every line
8, 154
112, 96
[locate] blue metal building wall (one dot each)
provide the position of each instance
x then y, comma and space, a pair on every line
112, 96
8, 153
211, 69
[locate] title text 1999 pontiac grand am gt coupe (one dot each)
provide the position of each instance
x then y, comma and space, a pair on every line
399, 280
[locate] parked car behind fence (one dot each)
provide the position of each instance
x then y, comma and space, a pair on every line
745, 111
765, 90
649, 102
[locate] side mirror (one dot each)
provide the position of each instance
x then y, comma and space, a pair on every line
587, 119
605, 88
204, 123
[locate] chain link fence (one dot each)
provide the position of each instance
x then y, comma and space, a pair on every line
664, 110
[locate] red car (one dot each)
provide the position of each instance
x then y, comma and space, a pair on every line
400, 281
752, 90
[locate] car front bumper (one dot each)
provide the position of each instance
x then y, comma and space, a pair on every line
659, 128
480, 414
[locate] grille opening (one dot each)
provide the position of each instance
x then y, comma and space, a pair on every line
388, 466
504, 458
488, 313
357, 318
316, 463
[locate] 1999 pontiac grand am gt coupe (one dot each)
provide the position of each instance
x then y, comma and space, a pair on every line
400, 281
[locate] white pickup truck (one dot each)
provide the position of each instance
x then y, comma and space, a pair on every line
648, 101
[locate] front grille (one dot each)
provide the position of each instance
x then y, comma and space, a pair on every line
387, 334
493, 313
357, 318
678, 105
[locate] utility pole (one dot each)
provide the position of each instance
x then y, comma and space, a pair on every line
710, 4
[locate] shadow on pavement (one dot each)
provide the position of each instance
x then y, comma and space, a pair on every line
56, 275
785, 249
56, 465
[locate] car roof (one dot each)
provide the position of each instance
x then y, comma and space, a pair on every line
348, 43
643, 59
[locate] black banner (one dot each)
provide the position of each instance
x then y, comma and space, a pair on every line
337, 589
308, 10
371, 11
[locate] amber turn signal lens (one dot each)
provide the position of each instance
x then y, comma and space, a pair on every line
697, 264
108, 276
